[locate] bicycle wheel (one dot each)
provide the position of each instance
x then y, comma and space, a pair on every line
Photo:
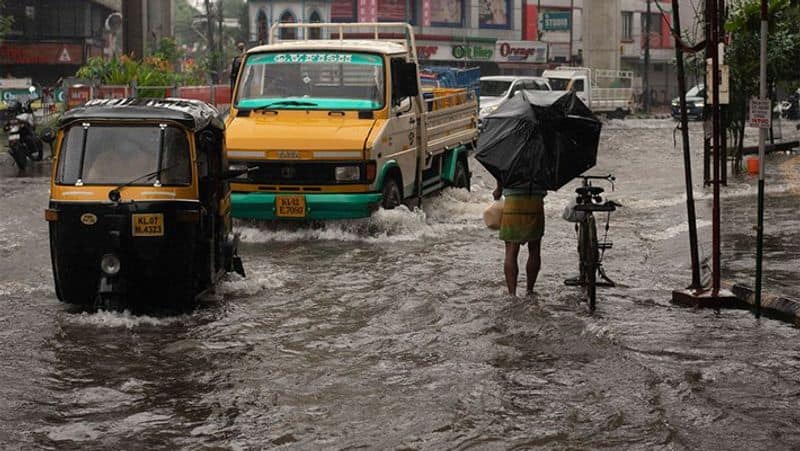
589, 257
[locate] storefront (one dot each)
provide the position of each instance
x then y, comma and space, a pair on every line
493, 57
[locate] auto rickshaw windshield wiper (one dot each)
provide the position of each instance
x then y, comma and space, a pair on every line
285, 103
114, 194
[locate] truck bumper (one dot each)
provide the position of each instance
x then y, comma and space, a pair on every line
318, 206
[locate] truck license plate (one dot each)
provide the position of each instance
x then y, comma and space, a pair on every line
151, 224
290, 206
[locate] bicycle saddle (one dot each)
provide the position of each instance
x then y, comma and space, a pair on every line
589, 190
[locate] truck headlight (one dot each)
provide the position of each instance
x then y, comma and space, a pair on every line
347, 173
699, 105
110, 264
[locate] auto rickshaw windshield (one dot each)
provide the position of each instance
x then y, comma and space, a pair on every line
115, 154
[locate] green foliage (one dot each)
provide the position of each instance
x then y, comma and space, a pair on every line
743, 54
5, 21
151, 75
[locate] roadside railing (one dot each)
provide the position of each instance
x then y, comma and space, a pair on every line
217, 95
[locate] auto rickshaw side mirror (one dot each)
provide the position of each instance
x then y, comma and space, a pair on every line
48, 135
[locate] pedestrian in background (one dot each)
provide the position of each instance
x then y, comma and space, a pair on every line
522, 222
236, 63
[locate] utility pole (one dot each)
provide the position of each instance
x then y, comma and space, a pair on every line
571, 16
687, 156
221, 36
717, 297
210, 43
646, 78
762, 138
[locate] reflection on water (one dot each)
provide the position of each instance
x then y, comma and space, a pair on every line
394, 332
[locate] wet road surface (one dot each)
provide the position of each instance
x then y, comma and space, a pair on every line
395, 333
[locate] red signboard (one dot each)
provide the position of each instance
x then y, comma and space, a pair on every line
530, 20
78, 95
66, 54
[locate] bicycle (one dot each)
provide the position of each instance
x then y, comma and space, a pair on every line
590, 250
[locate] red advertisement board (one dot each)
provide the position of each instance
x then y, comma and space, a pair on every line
68, 54
530, 20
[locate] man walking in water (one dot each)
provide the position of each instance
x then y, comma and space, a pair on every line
236, 63
522, 222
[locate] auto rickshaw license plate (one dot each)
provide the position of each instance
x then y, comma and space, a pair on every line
290, 206
150, 224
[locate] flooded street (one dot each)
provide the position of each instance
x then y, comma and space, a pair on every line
396, 332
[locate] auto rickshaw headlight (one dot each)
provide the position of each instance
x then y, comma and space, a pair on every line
347, 173
110, 264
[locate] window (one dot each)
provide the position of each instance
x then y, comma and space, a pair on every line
118, 154
447, 13
312, 81
396, 11
577, 86
261, 24
288, 34
627, 25
535, 85
655, 30
494, 13
315, 33
494, 88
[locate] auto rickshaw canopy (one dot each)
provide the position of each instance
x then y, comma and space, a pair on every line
192, 114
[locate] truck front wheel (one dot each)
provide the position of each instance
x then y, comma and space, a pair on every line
391, 194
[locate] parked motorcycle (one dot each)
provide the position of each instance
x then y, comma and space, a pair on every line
23, 143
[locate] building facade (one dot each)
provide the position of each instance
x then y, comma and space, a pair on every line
51, 39
510, 36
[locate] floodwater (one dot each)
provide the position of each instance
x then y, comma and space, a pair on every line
395, 333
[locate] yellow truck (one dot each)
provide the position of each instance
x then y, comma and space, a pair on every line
336, 128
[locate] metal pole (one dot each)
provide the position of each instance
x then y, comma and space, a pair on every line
762, 138
646, 78
571, 26
687, 157
715, 241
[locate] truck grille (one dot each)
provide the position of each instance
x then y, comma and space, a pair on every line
299, 173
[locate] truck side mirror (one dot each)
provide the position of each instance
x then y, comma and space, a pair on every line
404, 80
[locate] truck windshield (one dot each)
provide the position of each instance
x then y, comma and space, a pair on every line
312, 80
117, 154
559, 84
494, 88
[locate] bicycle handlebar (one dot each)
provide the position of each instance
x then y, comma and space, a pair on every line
608, 177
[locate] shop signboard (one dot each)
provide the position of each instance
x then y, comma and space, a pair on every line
41, 53
472, 52
521, 51
555, 21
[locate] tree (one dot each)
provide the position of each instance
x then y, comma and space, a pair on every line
742, 55
5, 21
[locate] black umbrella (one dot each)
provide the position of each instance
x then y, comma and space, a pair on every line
539, 140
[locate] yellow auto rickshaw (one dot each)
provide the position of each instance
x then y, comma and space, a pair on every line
139, 209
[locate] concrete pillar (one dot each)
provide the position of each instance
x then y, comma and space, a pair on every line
144, 23
132, 27
602, 28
